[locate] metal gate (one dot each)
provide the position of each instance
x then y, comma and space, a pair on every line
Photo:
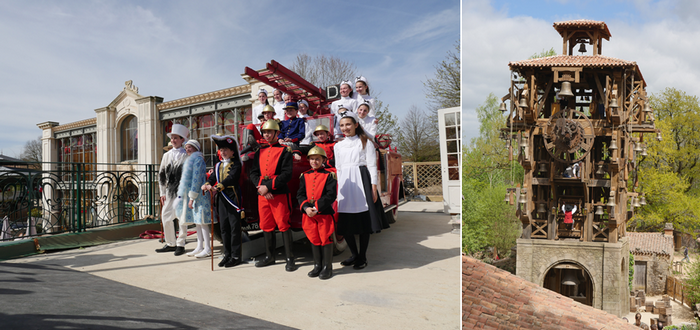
640, 275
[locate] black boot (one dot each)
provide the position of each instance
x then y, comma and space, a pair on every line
287, 237
269, 250
316, 250
327, 271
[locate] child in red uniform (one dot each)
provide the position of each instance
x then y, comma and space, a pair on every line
271, 171
323, 134
252, 137
318, 189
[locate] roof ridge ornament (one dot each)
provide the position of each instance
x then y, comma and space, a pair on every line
129, 85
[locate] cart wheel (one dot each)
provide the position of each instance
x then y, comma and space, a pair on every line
339, 245
392, 215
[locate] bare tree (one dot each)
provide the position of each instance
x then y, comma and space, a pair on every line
323, 71
417, 138
32, 151
443, 91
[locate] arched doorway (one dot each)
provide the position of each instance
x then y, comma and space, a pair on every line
571, 280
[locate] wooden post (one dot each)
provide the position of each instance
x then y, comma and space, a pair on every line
415, 179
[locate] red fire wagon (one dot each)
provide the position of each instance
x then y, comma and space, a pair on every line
390, 175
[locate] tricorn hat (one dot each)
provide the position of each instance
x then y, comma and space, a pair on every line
226, 141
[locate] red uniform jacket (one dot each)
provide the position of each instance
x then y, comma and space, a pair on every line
326, 146
319, 189
272, 167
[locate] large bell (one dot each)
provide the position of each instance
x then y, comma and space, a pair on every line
611, 200
543, 168
523, 196
582, 49
507, 199
643, 201
658, 136
523, 103
502, 107
638, 147
647, 108
599, 210
569, 277
635, 202
644, 151
566, 89
613, 103
613, 145
541, 208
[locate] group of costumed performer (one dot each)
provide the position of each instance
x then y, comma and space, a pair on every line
169, 175
193, 206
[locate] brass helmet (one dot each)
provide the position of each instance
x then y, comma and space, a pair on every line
268, 108
321, 128
316, 151
270, 125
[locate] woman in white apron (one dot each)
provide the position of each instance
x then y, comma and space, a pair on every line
360, 210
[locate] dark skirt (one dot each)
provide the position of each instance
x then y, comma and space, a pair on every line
370, 221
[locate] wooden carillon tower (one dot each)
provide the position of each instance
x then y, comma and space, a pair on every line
579, 120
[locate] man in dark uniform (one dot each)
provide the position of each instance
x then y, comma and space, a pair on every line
272, 170
224, 180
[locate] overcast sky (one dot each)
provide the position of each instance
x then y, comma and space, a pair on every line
60, 60
663, 37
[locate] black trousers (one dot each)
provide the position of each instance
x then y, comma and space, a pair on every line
230, 225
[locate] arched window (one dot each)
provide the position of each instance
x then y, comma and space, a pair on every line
129, 138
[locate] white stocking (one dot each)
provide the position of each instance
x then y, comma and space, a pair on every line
199, 240
206, 237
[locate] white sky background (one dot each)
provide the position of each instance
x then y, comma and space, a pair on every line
61, 60
663, 37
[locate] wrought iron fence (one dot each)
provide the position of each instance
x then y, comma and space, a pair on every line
422, 181
44, 198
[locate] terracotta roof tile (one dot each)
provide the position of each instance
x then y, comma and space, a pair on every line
495, 299
651, 243
582, 23
595, 61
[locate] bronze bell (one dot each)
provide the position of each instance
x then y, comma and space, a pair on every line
637, 147
658, 136
523, 196
644, 151
543, 168
523, 141
635, 202
523, 103
566, 89
502, 108
647, 108
599, 210
611, 200
541, 208
613, 103
600, 170
582, 49
643, 201
507, 199
613, 145
569, 277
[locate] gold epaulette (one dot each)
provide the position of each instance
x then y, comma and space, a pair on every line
289, 148
242, 215
333, 174
301, 175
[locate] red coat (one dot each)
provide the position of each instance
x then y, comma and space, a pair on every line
318, 189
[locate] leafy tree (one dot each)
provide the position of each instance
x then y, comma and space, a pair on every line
32, 151
443, 91
692, 283
671, 171
387, 122
487, 171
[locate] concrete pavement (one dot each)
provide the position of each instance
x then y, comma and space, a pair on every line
412, 282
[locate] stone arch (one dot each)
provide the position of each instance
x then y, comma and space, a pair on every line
585, 292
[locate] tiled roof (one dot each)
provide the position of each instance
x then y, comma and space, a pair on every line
77, 124
577, 61
651, 243
582, 23
496, 299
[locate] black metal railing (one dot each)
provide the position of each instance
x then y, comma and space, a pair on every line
46, 198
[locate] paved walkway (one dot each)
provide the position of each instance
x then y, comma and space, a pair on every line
412, 282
